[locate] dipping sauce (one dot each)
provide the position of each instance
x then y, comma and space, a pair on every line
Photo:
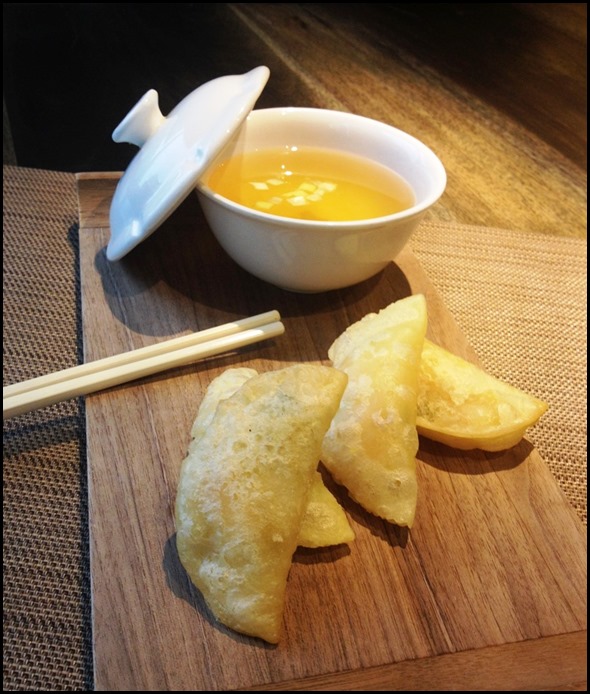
311, 183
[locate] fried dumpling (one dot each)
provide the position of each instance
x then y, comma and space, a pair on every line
220, 388
372, 442
243, 491
461, 405
324, 523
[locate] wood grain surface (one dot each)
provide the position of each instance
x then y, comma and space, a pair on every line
361, 59
487, 591
521, 64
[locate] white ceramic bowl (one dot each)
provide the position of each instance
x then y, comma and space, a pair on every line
314, 256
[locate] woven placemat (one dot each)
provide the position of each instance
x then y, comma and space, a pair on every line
522, 306
47, 637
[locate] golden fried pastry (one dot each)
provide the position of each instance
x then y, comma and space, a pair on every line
244, 488
372, 442
462, 406
220, 388
325, 522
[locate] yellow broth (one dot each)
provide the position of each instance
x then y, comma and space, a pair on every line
311, 183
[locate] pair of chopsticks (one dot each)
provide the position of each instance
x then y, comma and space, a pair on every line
105, 373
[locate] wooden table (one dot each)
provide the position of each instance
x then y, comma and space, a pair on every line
498, 99
498, 90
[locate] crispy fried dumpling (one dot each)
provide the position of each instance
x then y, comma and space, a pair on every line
325, 522
461, 405
243, 491
220, 388
372, 442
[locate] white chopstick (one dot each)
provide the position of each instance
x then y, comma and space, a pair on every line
105, 373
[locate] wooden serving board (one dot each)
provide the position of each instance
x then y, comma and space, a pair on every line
487, 591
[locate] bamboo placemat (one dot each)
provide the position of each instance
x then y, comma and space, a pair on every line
47, 639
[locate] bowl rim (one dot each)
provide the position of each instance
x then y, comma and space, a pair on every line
369, 222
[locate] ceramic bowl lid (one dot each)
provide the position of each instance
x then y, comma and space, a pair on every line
174, 152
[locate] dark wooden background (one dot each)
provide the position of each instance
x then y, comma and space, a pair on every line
73, 70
